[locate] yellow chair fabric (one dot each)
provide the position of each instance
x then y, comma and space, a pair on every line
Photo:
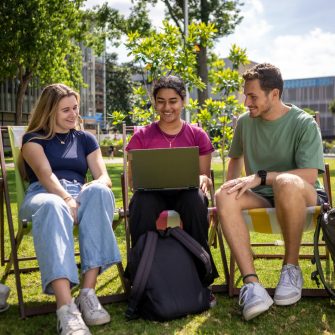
264, 220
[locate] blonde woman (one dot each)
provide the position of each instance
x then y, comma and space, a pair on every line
56, 156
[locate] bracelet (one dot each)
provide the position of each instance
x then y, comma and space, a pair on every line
69, 197
249, 275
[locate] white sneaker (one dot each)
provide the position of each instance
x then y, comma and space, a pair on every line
91, 309
70, 322
288, 290
4, 294
254, 299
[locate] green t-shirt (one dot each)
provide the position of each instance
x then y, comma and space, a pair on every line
291, 142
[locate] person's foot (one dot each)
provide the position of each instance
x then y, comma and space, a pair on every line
288, 290
254, 300
91, 309
70, 322
4, 294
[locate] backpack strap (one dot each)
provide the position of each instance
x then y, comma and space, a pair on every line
193, 246
320, 227
142, 274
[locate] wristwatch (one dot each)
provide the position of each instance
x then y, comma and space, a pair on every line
262, 174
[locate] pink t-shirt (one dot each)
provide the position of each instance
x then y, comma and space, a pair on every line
151, 136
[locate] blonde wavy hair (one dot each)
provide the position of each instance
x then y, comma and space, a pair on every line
43, 116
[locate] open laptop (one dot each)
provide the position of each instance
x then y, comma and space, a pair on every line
165, 169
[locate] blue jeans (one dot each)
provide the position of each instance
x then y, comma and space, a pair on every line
52, 227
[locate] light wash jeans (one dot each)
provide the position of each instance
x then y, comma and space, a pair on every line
52, 227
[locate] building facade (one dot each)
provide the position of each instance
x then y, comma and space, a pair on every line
316, 94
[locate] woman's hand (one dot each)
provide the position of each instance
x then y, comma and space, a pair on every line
73, 206
205, 183
95, 181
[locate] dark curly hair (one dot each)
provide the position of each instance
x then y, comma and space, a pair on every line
172, 82
269, 77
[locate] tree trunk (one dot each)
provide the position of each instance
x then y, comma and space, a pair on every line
20, 97
203, 74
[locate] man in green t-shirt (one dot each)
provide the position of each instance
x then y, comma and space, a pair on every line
281, 148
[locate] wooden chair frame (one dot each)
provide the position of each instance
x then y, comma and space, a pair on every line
12, 262
214, 231
311, 292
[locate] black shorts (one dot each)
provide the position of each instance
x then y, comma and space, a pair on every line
321, 198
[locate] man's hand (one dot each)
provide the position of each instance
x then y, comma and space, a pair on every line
240, 185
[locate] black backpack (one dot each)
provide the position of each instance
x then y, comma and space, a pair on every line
326, 225
164, 272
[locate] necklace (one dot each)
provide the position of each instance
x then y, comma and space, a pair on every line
65, 139
170, 141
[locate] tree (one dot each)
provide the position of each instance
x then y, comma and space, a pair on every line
166, 52
39, 38
162, 53
118, 89
113, 25
224, 14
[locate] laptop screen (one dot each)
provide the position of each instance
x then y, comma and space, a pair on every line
165, 169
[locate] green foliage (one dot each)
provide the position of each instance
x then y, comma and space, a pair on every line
331, 106
167, 52
225, 15
113, 25
216, 116
222, 14
111, 141
116, 117
118, 90
328, 146
238, 56
39, 36
163, 53
39, 39
309, 111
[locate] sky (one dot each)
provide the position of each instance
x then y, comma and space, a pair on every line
298, 36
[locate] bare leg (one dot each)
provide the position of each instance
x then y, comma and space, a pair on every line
292, 196
234, 228
62, 291
90, 278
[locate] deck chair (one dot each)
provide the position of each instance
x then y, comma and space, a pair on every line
171, 218
13, 262
264, 220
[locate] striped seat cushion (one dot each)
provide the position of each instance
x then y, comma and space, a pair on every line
259, 220
264, 220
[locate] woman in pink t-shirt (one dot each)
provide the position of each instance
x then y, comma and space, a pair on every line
170, 132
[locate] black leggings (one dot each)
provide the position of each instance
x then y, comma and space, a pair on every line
145, 207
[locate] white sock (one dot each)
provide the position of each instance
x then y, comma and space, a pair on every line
84, 290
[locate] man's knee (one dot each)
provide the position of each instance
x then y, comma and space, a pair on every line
225, 200
287, 185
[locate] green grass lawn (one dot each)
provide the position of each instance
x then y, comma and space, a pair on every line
309, 316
